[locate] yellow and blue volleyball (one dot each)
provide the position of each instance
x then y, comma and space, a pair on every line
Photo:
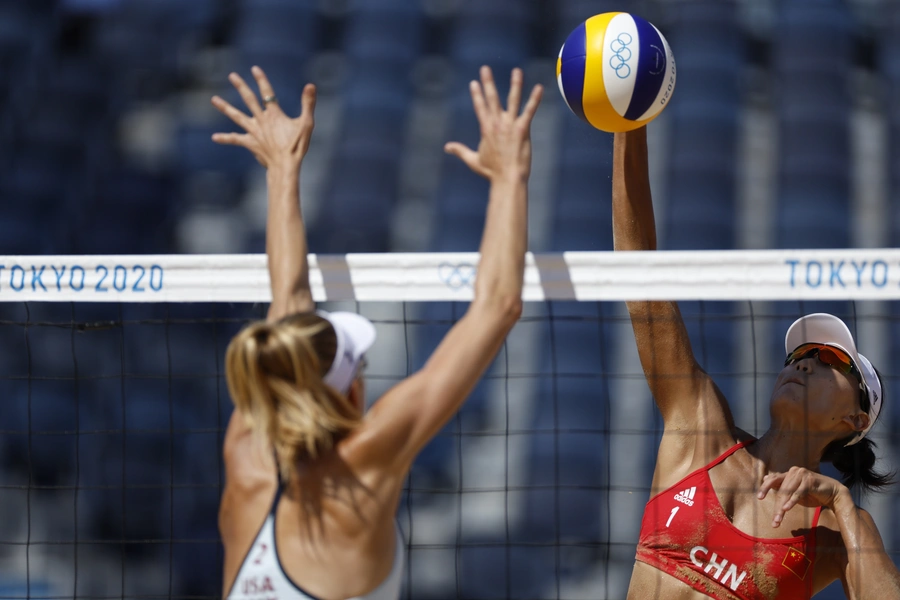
616, 71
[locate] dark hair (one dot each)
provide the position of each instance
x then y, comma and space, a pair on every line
856, 463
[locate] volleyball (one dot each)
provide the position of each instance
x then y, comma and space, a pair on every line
616, 71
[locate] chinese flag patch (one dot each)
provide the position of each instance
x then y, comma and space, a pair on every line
796, 562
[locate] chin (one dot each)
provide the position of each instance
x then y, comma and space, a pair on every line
788, 401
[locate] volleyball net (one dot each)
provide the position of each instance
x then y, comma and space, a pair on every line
114, 405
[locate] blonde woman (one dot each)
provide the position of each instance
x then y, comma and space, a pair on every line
312, 481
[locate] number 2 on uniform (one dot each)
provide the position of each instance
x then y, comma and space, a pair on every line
263, 548
672, 516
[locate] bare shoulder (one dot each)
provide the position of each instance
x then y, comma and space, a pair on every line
375, 447
691, 443
240, 504
369, 454
242, 513
251, 476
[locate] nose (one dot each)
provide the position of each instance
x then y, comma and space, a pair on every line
805, 364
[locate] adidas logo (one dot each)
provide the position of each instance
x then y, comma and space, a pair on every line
686, 496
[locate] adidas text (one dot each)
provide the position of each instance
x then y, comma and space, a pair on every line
686, 496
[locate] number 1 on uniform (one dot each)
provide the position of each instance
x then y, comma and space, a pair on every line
672, 516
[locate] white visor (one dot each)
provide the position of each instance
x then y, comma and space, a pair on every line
822, 328
355, 335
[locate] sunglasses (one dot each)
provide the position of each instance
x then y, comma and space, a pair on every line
829, 355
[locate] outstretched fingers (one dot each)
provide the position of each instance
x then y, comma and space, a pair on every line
308, 100
465, 154
478, 103
266, 91
505, 134
534, 100
232, 139
492, 98
513, 101
240, 118
306, 119
246, 93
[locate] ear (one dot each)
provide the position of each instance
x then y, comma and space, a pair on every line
857, 421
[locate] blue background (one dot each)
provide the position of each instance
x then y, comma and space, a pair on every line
783, 132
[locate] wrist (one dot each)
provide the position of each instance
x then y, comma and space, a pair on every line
283, 168
510, 176
843, 502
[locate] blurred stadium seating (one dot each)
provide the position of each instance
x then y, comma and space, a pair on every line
105, 123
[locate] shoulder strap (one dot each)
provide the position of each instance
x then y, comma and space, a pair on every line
818, 512
280, 487
277, 497
725, 455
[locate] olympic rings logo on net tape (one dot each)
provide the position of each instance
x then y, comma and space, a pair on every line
457, 276
621, 55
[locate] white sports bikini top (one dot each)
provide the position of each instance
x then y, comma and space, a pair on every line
262, 577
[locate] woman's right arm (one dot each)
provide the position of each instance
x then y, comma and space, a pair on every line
678, 384
402, 422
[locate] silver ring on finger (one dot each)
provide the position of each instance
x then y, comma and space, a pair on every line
270, 100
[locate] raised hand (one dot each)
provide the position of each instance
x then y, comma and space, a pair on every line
799, 486
505, 146
274, 138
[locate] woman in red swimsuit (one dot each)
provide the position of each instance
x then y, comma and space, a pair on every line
731, 516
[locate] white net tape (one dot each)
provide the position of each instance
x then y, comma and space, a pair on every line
587, 276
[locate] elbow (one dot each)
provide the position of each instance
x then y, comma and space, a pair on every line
511, 310
504, 310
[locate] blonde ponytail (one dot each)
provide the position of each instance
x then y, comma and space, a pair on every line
274, 373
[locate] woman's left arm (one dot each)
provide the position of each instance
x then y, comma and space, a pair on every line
866, 569
868, 572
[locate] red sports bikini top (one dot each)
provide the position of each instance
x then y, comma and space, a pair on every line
686, 533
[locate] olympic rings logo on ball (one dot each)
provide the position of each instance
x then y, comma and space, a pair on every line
616, 71
621, 53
